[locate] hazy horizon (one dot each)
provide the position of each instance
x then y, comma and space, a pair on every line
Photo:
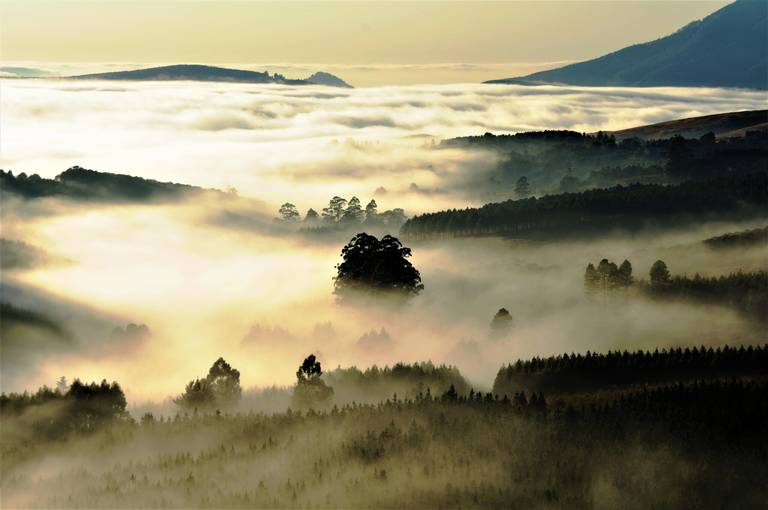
367, 44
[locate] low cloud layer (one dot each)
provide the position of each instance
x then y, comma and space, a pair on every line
306, 144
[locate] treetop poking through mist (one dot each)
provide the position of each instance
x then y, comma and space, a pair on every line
373, 265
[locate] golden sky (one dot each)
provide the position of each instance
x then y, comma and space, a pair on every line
518, 36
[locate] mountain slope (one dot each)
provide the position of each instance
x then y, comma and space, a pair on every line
196, 72
728, 48
722, 125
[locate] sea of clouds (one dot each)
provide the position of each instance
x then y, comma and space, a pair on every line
305, 144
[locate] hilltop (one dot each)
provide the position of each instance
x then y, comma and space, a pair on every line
196, 72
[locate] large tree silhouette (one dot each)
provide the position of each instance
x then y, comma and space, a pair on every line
376, 265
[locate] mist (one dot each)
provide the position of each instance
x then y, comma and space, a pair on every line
263, 298
306, 144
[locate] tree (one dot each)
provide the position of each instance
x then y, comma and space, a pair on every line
659, 275
592, 280
680, 158
624, 274
288, 212
220, 388
61, 385
522, 187
354, 212
501, 323
607, 272
393, 218
371, 211
225, 383
94, 405
335, 210
312, 216
376, 265
311, 390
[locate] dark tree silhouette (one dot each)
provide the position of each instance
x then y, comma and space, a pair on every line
311, 390
659, 274
624, 274
220, 389
376, 265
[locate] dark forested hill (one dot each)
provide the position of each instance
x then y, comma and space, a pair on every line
591, 372
728, 48
598, 211
196, 72
82, 184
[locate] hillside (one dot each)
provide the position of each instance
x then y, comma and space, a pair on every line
82, 184
728, 48
597, 212
722, 125
195, 72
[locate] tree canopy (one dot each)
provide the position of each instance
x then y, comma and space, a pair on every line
311, 390
370, 264
219, 389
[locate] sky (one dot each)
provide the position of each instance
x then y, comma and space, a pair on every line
367, 43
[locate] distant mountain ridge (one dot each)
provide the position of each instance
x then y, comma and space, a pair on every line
728, 48
198, 72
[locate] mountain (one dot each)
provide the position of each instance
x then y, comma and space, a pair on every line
722, 125
196, 72
728, 48
321, 78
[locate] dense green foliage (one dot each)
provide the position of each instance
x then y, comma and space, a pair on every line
378, 266
592, 371
621, 208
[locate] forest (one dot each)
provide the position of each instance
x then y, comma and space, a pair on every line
597, 212
555, 161
82, 184
672, 418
